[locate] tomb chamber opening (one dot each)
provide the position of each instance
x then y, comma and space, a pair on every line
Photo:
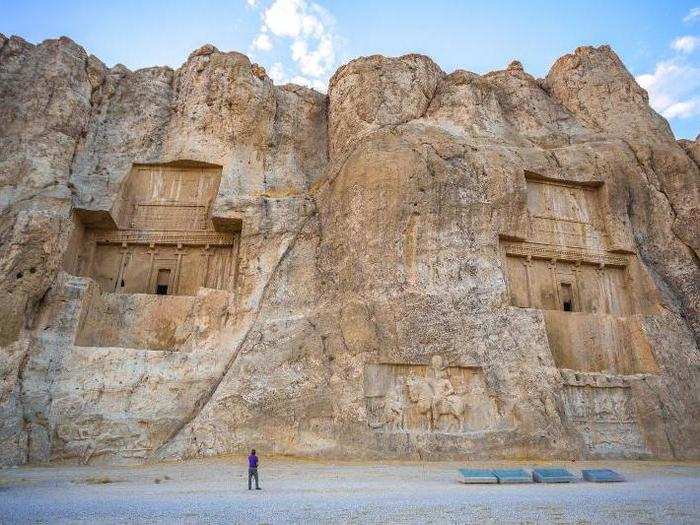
159, 237
590, 289
566, 262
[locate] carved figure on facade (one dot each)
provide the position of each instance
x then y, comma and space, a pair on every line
421, 409
604, 415
427, 398
447, 406
395, 405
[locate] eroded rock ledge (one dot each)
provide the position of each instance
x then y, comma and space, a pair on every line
417, 265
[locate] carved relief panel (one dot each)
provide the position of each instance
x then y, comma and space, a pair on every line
156, 216
567, 286
428, 398
565, 214
601, 408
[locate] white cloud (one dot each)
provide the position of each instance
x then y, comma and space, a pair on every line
693, 15
277, 72
310, 31
262, 42
294, 18
688, 108
674, 88
318, 84
314, 62
685, 44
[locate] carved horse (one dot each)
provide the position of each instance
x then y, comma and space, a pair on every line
435, 409
421, 396
453, 407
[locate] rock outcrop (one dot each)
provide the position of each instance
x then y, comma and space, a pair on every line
417, 265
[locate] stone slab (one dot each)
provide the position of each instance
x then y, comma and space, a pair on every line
601, 475
513, 475
552, 475
475, 475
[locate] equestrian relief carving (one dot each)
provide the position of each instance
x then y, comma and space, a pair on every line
428, 398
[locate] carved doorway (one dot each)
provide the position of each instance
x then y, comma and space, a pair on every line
567, 297
163, 281
163, 278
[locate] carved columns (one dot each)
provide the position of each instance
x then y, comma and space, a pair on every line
576, 271
176, 278
603, 289
120, 274
152, 251
552, 266
206, 254
528, 279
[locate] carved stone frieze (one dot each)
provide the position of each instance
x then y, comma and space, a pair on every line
541, 251
163, 237
168, 216
598, 379
601, 408
404, 397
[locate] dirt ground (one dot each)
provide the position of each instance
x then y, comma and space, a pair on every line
300, 491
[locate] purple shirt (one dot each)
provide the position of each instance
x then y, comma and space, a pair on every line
252, 461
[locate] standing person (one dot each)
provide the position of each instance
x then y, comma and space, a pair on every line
253, 470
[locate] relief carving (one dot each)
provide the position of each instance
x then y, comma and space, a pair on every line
538, 251
428, 398
160, 216
568, 232
601, 408
565, 213
159, 237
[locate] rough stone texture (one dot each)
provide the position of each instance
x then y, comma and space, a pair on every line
371, 271
395, 91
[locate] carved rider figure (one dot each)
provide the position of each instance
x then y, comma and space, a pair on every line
441, 387
440, 383
434, 403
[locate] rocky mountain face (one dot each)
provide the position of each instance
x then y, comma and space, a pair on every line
417, 265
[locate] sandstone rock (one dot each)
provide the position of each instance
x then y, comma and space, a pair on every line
692, 148
370, 93
515, 66
419, 265
594, 85
205, 50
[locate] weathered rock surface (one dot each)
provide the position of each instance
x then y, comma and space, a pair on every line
377, 307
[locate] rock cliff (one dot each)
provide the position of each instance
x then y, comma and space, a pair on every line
417, 265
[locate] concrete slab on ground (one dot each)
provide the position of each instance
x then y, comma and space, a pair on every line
601, 475
512, 475
475, 475
552, 475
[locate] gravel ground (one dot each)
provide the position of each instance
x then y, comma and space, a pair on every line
298, 491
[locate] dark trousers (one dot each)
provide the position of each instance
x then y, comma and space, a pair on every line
253, 473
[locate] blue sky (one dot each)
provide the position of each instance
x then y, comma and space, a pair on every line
305, 41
